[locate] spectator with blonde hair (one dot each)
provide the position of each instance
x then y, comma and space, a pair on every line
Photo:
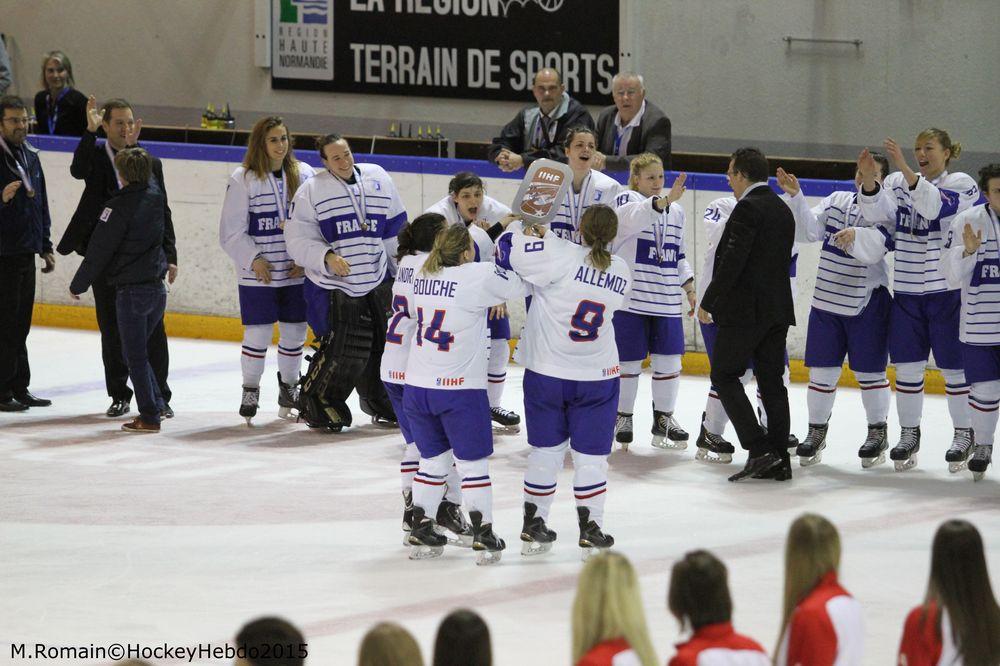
609, 625
388, 644
821, 622
59, 107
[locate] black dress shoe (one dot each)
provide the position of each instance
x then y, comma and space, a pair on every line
166, 412
758, 466
32, 401
12, 405
782, 472
119, 408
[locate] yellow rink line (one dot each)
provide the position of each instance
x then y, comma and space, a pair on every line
210, 327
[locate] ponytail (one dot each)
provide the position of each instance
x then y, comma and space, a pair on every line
942, 137
450, 244
598, 228
418, 236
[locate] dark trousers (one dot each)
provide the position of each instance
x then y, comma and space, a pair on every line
764, 345
140, 311
116, 372
17, 300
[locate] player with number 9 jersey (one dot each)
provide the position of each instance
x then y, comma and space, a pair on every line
445, 398
570, 357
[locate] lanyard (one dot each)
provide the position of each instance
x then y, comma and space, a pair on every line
54, 109
111, 156
28, 187
660, 233
576, 211
358, 202
278, 188
619, 136
541, 134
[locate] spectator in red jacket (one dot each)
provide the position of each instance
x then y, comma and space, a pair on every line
821, 622
609, 625
699, 598
959, 621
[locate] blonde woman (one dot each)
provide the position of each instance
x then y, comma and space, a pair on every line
270, 284
388, 644
651, 239
609, 625
920, 206
445, 397
821, 622
59, 107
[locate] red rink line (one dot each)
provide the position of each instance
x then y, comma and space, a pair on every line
652, 566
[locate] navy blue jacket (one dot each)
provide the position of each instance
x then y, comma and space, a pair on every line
24, 220
127, 243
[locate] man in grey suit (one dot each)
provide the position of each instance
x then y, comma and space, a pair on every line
633, 125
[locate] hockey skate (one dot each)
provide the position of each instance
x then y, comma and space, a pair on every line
980, 460
451, 524
623, 430
507, 420
810, 452
592, 539
793, 444
961, 446
667, 433
488, 546
407, 516
288, 395
872, 451
713, 448
904, 454
379, 410
248, 405
536, 537
425, 542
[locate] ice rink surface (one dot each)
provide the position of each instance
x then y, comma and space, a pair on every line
181, 537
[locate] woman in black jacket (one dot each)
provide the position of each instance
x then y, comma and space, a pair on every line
59, 107
127, 249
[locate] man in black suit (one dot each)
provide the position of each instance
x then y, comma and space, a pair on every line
750, 300
539, 131
631, 126
93, 163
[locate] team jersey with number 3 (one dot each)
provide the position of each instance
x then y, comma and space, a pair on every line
450, 344
568, 334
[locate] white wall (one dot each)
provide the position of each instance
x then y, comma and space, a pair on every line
718, 67
207, 282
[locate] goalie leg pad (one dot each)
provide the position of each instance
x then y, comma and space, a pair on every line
371, 392
338, 363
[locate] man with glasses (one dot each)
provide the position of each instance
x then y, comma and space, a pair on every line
631, 126
24, 232
539, 131
93, 163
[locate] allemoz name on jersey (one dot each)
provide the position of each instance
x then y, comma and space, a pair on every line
599, 278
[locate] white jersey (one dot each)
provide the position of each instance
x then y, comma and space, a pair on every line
716, 215
491, 211
450, 346
568, 334
595, 189
358, 221
253, 215
844, 280
978, 276
652, 244
920, 220
402, 322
